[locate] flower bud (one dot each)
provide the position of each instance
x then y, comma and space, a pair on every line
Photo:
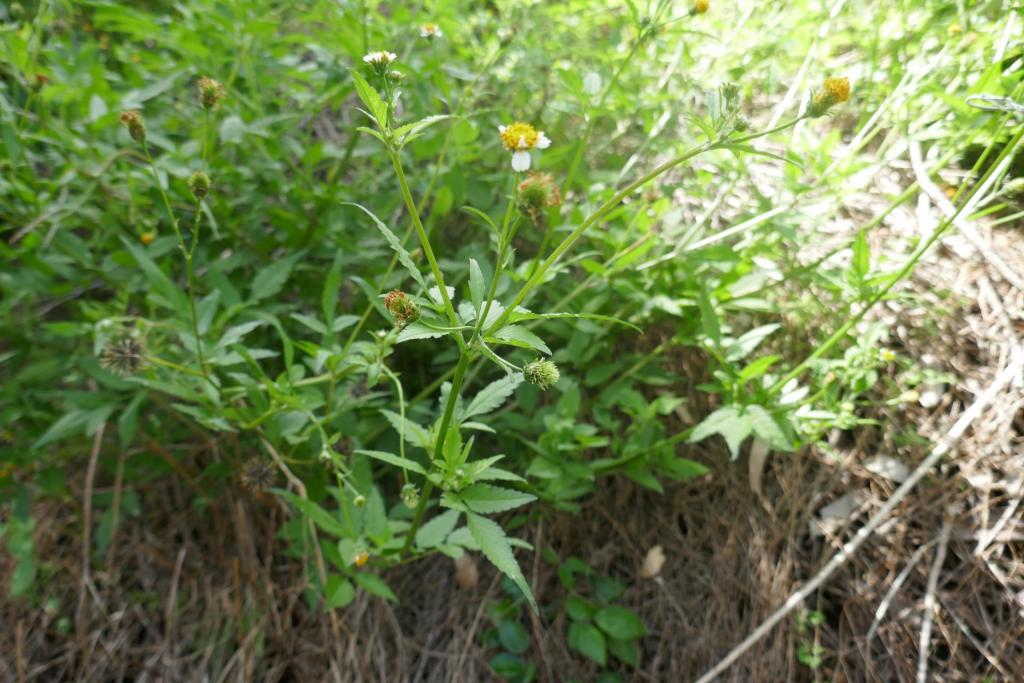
410, 495
359, 501
147, 237
210, 92
395, 76
132, 120
542, 373
199, 184
834, 90
401, 307
537, 192
361, 558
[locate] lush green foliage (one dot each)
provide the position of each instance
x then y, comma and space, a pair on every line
255, 320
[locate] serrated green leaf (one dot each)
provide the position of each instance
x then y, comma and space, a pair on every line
434, 532
320, 517
728, 421
521, 337
395, 244
172, 295
492, 396
488, 499
767, 428
393, 459
410, 131
271, 279
375, 106
418, 330
495, 546
413, 433
375, 585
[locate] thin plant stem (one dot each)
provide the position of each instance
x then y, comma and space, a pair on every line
442, 431
187, 253
414, 214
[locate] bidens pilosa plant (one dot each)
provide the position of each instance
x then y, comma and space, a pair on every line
448, 488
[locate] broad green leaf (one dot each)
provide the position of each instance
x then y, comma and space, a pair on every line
476, 284
488, 499
271, 279
410, 131
588, 641
708, 317
434, 532
375, 106
320, 517
620, 623
757, 368
413, 433
861, 256
492, 396
329, 296
495, 546
520, 336
393, 459
395, 244
746, 344
728, 421
375, 585
339, 591
768, 429
418, 330
171, 294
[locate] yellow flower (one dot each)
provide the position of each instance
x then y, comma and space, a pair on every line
834, 90
701, 6
520, 138
361, 558
147, 237
837, 88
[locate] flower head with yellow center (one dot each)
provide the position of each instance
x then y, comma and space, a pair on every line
520, 138
430, 31
833, 91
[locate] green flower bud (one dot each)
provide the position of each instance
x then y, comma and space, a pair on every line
541, 372
401, 307
210, 92
132, 120
410, 495
199, 184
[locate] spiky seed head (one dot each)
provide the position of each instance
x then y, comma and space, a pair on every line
257, 474
537, 192
404, 309
123, 356
543, 373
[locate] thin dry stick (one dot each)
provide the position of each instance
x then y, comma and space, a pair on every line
90, 480
19, 646
924, 646
840, 558
901, 578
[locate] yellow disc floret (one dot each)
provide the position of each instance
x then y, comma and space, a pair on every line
519, 136
837, 89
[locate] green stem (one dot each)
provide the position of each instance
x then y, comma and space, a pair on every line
446, 418
414, 214
939, 232
187, 253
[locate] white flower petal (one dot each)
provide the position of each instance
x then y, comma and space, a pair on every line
521, 161
501, 129
542, 141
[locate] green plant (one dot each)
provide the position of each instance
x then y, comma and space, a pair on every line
598, 628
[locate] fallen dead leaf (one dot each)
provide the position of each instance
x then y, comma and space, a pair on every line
653, 563
466, 573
